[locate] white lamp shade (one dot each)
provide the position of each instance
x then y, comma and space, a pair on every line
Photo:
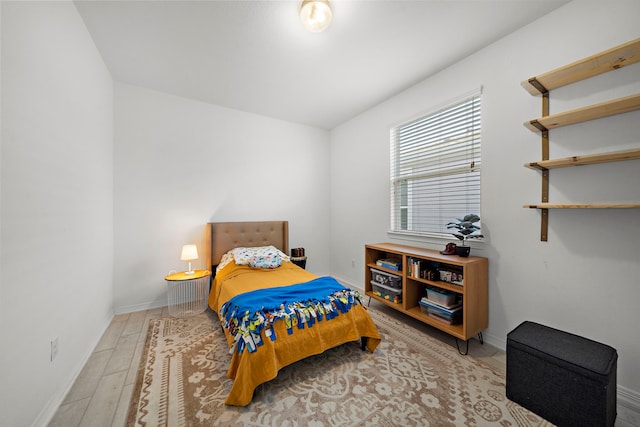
189, 252
316, 15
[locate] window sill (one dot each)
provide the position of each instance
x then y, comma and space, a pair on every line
433, 238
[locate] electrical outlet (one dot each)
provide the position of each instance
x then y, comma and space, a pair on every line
353, 263
54, 348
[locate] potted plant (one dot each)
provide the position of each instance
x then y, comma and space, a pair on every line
466, 229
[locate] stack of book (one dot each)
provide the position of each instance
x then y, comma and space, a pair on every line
449, 314
392, 264
422, 269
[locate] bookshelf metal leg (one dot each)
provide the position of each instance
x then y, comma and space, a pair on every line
466, 351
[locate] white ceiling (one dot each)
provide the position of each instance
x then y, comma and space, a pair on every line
255, 56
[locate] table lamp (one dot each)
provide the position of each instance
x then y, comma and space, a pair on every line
189, 253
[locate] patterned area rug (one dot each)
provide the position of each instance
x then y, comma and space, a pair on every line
410, 380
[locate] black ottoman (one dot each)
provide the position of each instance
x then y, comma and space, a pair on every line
566, 379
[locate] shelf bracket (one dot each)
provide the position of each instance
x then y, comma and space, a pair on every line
538, 125
539, 86
544, 220
544, 224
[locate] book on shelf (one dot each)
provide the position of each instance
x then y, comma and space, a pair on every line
452, 309
391, 264
449, 317
421, 269
448, 321
413, 266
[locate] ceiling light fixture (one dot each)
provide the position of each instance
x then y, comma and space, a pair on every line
316, 15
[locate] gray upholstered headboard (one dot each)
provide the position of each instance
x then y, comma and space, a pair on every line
225, 236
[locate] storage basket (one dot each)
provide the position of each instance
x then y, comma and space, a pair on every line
388, 293
441, 297
567, 379
386, 279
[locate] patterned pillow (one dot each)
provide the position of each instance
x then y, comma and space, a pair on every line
265, 261
258, 257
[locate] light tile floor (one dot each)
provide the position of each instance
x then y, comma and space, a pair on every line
100, 395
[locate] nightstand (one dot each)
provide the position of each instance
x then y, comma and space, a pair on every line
188, 293
300, 261
298, 257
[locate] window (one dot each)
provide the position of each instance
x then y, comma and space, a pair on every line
435, 168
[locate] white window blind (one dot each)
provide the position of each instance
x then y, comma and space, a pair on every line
435, 168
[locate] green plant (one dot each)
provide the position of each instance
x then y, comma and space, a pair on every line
466, 228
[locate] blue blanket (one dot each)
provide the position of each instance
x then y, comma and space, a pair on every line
247, 315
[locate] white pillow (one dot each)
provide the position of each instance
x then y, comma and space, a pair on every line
226, 259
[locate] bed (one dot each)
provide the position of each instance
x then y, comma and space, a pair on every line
264, 341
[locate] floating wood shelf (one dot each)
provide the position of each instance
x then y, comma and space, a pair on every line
588, 159
583, 206
608, 60
596, 111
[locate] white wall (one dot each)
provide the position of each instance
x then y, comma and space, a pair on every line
57, 204
64, 186
181, 163
585, 278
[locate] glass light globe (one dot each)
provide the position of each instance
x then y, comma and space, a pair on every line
316, 15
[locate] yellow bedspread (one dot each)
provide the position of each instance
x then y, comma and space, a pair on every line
249, 370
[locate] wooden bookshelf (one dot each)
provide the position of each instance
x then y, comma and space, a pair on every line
473, 290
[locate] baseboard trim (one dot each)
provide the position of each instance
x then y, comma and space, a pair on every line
347, 283
139, 307
628, 406
495, 340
